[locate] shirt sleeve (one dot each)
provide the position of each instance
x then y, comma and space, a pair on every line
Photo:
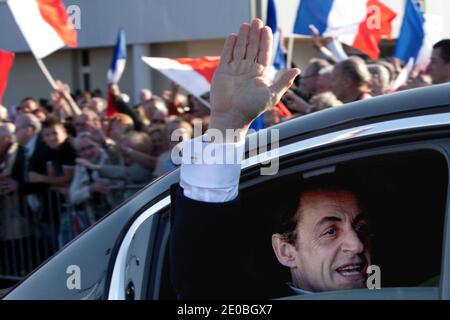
210, 172
335, 46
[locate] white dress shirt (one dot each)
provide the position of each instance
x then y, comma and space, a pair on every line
210, 172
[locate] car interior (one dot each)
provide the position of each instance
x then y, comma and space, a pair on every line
405, 195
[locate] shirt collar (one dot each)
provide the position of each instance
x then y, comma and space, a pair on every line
297, 290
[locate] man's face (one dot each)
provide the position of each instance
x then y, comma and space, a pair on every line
27, 106
88, 149
23, 132
339, 83
438, 69
332, 242
87, 123
54, 136
308, 81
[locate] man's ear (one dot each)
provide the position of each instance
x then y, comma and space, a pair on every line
284, 251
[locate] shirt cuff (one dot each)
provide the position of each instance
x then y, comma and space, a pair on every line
210, 172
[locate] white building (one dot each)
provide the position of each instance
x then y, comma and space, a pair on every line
165, 28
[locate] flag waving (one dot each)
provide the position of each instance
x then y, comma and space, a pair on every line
278, 59
119, 59
358, 23
418, 34
6, 62
44, 24
194, 75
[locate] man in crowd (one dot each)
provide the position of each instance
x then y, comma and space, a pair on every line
351, 80
439, 68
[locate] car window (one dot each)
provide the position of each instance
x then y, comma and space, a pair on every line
138, 252
405, 191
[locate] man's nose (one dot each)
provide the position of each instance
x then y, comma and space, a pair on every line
352, 243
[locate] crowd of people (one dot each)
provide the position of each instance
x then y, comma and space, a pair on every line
66, 162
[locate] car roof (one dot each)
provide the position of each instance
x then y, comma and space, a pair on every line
420, 100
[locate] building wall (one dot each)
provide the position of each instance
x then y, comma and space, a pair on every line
145, 21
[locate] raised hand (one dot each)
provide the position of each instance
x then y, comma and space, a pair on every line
240, 89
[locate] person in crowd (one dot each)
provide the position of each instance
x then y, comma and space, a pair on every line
14, 227
351, 80
380, 79
119, 125
135, 175
439, 68
308, 80
156, 111
93, 193
325, 80
27, 105
123, 106
55, 166
324, 101
89, 121
176, 131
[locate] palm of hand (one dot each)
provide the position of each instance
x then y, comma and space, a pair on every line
240, 87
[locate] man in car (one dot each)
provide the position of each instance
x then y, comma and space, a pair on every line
321, 235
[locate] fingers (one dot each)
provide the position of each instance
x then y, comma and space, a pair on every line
254, 40
265, 47
228, 47
283, 84
240, 48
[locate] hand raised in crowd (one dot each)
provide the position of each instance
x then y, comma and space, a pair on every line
240, 89
86, 163
315, 36
297, 103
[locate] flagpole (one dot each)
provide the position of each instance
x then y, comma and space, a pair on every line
46, 73
206, 103
74, 109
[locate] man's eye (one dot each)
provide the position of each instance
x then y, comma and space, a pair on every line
330, 232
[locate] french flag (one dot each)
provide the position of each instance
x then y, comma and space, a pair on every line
418, 34
44, 25
119, 59
6, 62
358, 23
278, 62
193, 74
278, 58
116, 69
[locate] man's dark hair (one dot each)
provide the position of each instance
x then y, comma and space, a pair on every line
51, 122
286, 217
444, 45
28, 98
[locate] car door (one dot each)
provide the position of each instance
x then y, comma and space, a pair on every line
407, 147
